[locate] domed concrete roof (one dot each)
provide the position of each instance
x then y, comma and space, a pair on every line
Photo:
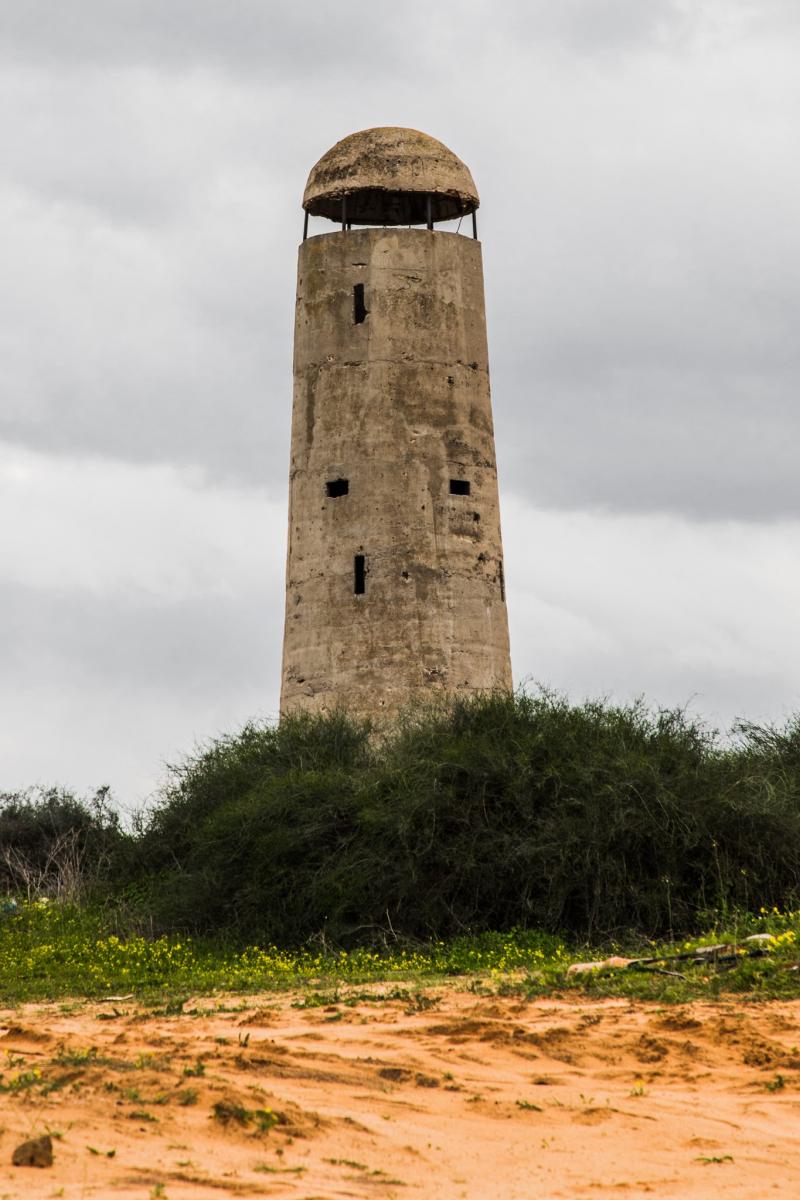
387, 174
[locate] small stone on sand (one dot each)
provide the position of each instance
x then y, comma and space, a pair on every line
38, 1152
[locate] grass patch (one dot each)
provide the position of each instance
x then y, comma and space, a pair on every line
57, 950
266, 1169
228, 1112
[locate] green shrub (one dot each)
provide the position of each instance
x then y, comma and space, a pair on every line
53, 844
490, 813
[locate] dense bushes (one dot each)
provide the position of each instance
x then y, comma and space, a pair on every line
54, 845
488, 814
504, 811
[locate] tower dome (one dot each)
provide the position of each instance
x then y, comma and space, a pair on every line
390, 176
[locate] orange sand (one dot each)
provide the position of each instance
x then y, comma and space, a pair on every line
470, 1097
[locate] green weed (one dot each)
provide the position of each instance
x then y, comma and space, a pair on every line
265, 1169
228, 1112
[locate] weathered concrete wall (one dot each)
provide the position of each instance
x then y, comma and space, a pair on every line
397, 405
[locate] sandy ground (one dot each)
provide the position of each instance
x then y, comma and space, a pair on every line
468, 1096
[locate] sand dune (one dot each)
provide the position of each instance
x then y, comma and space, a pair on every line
450, 1094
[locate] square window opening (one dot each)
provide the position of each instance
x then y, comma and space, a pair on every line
337, 487
459, 487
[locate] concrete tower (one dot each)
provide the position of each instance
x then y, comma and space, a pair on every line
394, 577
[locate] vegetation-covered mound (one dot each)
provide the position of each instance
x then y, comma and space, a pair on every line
506, 811
489, 814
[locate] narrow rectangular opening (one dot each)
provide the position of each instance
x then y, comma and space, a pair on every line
459, 487
502, 579
337, 487
359, 575
359, 308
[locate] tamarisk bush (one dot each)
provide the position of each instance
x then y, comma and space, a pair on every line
488, 813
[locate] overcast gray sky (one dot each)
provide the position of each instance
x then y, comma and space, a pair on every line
640, 181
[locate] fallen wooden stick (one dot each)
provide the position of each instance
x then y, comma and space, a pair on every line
724, 953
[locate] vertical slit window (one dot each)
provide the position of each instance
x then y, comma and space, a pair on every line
359, 575
502, 579
359, 308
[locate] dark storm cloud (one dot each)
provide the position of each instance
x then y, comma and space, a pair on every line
135, 644
287, 38
97, 691
682, 612
664, 443
602, 24
278, 37
141, 612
